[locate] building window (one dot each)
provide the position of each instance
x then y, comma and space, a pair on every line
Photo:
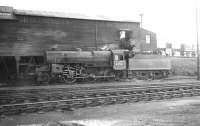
148, 39
125, 35
122, 35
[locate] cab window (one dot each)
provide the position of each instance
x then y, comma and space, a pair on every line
118, 57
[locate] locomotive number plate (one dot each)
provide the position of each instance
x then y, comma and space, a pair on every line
119, 65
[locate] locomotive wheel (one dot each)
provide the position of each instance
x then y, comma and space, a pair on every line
43, 78
46, 77
90, 79
143, 75
69, 80
118, 75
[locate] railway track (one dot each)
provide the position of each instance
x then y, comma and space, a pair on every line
36, 95
48, 100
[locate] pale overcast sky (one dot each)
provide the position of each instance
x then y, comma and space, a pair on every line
172, 20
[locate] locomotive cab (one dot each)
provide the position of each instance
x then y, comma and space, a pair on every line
119, 59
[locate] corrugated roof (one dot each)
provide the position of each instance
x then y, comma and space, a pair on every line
69, 15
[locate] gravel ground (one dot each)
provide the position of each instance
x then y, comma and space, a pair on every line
175, 112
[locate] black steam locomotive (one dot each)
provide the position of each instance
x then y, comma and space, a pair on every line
70, 66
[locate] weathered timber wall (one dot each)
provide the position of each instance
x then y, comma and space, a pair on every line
143, 45
33, 35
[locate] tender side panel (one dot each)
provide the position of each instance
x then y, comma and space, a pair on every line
149, 64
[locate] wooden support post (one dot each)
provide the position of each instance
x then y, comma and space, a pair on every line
17, 58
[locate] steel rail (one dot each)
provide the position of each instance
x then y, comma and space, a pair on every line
101, 99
